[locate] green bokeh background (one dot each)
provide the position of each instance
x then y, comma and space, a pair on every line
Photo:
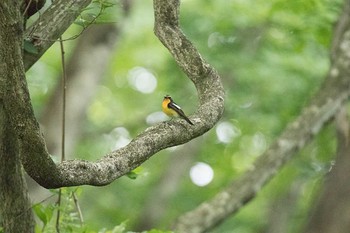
272, 57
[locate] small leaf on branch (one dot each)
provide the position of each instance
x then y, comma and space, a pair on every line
30, 47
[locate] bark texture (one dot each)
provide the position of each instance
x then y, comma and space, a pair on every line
15, 210
50, 26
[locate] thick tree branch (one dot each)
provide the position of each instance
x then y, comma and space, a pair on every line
322, 108
167, 29
37, 161
50, 26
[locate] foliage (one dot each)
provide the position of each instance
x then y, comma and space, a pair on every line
272, 56
99, 11
29, 47
68, 220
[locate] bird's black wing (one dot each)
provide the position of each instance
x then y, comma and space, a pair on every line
179, 111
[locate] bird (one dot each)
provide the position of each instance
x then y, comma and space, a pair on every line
171, 109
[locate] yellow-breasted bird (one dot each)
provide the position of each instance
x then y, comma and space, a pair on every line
170, 108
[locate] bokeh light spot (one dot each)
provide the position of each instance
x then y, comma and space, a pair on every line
155, 117
201, 174
226, 132
118, 138
142, 80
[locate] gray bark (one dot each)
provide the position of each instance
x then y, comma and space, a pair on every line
50, 26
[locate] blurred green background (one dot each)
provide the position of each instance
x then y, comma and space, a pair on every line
272, 57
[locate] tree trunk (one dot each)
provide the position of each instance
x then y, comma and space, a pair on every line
15, 211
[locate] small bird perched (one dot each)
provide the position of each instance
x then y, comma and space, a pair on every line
170, 108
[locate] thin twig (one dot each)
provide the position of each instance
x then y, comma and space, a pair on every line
78, 209
33, 37
27, 7
58, 204
64, 88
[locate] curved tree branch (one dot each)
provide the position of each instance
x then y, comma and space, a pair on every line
38, 163
168, 31
325, 104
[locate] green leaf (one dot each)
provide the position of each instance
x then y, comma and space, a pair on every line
158, 231
30, 47
39, 211
44, 213
119, 229
81, 22
134, 173
49, 212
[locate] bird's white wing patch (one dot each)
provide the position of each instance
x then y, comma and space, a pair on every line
177, 106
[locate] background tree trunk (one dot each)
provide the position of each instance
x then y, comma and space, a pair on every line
324, 106
332, 212
157, 203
